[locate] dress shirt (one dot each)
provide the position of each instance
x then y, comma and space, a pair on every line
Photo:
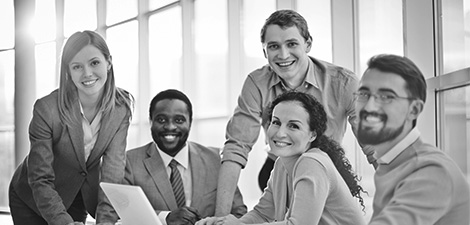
182, 157
90, 131
390, 155
331, 85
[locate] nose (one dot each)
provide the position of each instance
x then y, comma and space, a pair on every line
284, 52
371, 104
170, 125
88, 71
281, 131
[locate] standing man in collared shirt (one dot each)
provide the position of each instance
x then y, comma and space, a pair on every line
416, 183
286, 44
148, 166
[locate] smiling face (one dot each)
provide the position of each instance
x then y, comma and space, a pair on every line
170, 125
289, 132
286, 51
384, 123
89, 71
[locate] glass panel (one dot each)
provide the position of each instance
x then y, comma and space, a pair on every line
254, 15
166, 51
119, 10
211, 55
456, 126
7, 24
155, 4
380, 29
7, 126
455, 35
44, 21
46, 76
314, 11
123, 45
73, 16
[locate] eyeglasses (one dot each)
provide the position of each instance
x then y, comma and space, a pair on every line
381, 98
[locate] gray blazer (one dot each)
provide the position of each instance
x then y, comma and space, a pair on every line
55, 169
144, 168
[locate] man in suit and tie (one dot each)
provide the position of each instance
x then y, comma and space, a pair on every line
178, 176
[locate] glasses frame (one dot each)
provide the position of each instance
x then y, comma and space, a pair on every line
378, 98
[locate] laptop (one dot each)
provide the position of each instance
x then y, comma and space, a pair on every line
131, 204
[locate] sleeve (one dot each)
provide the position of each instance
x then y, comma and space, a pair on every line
311, 188
419, 199
238, 207
243, 128
264, 210
41, 175
112, 169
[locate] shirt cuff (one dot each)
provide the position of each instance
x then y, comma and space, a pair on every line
162, 216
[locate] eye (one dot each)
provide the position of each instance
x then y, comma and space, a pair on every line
180, 120
276, 123
292, 44
293, 126
160, 120
272, 47
386, 96
76, 67
95, 62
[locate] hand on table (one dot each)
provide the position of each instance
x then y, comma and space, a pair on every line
225, 220
183, 216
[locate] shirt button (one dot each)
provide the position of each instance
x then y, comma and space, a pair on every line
83, 174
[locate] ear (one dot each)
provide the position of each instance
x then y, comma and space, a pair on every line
313, 137
416, 108
110, 62
309, 45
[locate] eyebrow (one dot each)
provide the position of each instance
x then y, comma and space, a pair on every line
380, 90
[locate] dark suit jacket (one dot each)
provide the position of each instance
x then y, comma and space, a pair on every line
144, 168
55, 169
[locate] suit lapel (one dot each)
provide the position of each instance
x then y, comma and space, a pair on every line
198, 173
76, 136
108, 127
157, 170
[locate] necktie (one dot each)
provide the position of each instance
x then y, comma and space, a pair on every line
177, 184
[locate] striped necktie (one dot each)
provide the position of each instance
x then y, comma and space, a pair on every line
177, 184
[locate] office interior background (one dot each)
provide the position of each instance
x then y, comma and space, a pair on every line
206, 48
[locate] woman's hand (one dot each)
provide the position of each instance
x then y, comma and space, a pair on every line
76, 223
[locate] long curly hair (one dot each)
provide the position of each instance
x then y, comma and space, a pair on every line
317, 123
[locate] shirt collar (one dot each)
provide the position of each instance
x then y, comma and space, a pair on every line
409, 139
95, 120
182, 157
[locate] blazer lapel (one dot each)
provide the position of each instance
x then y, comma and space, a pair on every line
156, 169
108, 127
76, 136
198, 173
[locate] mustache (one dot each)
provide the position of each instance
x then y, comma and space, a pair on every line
363, 114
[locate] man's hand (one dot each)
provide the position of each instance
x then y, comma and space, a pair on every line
183, 216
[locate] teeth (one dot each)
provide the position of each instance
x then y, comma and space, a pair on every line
169, 137
373, 119
281, 144
90, 82
285, 64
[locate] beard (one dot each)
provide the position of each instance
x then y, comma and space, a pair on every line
368, 136
168, 149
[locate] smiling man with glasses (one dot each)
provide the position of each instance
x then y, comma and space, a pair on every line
416, 183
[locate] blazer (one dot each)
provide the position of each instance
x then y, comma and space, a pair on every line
55, 170
145, 168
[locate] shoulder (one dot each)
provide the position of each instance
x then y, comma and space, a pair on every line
335, 70
138, 152
212, 152
48, 103
262, 76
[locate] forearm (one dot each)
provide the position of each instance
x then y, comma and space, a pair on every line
227, 184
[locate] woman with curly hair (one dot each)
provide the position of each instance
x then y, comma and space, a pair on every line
312, 181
